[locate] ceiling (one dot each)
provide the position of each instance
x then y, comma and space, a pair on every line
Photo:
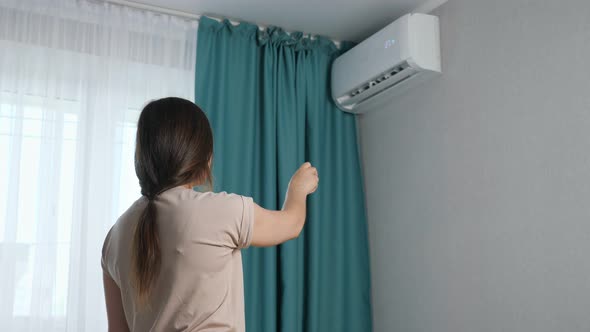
351, 20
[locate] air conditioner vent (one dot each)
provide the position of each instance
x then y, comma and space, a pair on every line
381, 78
382, 82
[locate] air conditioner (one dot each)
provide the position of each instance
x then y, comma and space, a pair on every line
394, 59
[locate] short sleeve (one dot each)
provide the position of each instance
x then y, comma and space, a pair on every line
247, 223
105, 250
232, 220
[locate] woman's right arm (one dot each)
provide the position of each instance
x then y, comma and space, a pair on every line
275, 227
115, 313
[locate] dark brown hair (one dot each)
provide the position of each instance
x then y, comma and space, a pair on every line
174, 147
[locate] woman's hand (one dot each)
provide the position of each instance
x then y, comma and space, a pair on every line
305, 180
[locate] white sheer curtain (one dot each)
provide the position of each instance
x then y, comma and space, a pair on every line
73, 78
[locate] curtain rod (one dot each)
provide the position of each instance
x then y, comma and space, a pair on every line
196, 17
157, 9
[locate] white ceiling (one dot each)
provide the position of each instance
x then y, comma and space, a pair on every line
351, 20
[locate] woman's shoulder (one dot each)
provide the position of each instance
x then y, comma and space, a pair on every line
220, 196
185, 196
130, 215
219, 200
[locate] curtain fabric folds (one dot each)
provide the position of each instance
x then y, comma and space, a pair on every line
267, 96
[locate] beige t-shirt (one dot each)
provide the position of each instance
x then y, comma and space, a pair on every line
200, 286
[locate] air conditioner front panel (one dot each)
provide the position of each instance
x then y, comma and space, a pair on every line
378, 53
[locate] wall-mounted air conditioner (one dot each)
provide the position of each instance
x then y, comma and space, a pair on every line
397, 57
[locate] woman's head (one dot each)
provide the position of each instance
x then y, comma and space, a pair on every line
174, 147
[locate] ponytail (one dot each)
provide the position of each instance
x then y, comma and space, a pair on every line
145, 253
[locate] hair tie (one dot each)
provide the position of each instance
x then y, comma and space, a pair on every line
150, 196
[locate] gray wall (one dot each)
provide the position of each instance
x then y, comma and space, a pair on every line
478, 182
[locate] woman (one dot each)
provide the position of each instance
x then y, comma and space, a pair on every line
172, 261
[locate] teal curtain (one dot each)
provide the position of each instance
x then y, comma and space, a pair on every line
268, 99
